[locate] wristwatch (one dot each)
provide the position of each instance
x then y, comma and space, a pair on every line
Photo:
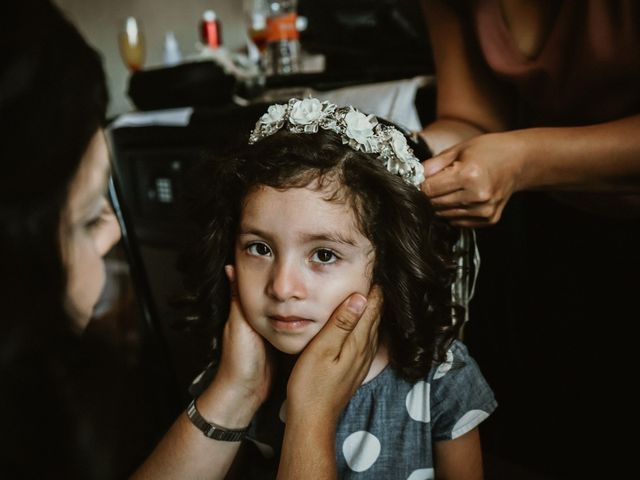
211, 430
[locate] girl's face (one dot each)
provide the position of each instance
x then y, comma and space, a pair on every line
89, 231
298, 256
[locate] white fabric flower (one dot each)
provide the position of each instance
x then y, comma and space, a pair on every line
360, 127
275, 114
394, 165
361, 132
400, 147
306, 112
418, 175
405, 163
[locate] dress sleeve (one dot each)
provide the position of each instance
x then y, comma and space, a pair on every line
460, 396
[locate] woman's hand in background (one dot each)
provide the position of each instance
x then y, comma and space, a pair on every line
470, 183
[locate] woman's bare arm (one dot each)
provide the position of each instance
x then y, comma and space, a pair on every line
469, 102
459, 459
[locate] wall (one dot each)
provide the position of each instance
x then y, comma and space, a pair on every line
100, 20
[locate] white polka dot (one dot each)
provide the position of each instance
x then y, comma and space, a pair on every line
418, 402
282, 414
266, 450
444, 367
467, 422
422, 474
361, 449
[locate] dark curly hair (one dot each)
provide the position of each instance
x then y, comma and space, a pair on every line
413, 261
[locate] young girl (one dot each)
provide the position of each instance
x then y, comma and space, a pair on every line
325, 200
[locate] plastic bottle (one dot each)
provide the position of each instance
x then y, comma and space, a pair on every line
210, 30
172, 55
283, 44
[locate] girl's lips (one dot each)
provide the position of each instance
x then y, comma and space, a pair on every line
289, 323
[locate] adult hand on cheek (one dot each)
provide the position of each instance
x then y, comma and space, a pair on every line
241, 385
246, 363
335, 363
323, 380
469, 184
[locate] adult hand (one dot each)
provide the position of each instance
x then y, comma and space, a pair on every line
470, 183
322, 382
246, 363
240, 386
335, 363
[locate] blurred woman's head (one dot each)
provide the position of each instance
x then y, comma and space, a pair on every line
54, 171
88, 231
56, 227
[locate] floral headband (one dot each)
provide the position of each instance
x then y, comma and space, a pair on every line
361, 132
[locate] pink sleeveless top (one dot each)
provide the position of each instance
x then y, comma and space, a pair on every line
588, 71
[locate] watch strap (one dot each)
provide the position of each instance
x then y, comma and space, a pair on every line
211, 430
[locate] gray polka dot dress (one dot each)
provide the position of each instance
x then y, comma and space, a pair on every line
388, 428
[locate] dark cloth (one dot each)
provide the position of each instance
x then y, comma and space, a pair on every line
80, 410
551, 328
556, 300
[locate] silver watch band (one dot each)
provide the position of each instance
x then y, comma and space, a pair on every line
212, 430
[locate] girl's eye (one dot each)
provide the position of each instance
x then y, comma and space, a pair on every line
259, 249
325, 256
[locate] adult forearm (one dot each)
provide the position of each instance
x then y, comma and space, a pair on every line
308, 449
445, 133
470, 183
595, 158
185, 452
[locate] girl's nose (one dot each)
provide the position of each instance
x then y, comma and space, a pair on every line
286, 282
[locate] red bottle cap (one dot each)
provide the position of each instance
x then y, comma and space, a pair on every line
210, 29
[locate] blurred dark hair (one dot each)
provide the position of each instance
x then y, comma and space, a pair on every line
413, 247
53, 387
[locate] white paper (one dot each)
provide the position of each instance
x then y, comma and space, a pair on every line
175, 117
